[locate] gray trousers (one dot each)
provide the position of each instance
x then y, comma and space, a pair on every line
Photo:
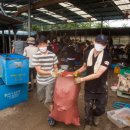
45, 93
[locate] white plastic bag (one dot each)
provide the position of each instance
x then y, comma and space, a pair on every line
120, 117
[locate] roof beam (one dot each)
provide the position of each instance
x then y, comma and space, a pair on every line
37, 5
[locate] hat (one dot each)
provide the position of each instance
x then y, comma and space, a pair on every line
42, 39
31, 40
101, 38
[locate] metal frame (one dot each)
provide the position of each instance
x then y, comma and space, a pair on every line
98, 9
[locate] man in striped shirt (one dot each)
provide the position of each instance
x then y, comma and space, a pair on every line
45, 63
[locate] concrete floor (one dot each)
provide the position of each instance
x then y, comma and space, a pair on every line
32, 115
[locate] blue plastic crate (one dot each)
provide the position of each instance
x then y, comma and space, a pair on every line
14, 69
113, 66
119, 105
1, 81
12, 95
125, 70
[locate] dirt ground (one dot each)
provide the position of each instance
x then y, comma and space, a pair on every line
32, 115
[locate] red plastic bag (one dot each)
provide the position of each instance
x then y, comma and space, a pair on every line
65, 101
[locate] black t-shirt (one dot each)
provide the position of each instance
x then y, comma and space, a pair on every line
97, 85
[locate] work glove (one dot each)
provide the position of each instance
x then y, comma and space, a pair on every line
54, 74
77, 80
76, 73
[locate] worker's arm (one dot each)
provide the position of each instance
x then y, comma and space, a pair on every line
82, 69
93, 76
55, 68
55, 65
13, 50
84, 66
104, 66
42, 72
101, 70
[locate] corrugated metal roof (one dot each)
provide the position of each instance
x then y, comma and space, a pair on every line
6, 22
72, 11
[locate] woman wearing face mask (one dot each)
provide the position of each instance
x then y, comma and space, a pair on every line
96, 62
45, 63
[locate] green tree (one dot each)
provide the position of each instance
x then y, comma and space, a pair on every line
68, 26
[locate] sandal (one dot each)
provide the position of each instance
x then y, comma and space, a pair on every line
51, 121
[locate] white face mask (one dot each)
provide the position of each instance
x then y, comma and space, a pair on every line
43, 49
99, 47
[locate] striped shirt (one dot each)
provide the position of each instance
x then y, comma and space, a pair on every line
47, 62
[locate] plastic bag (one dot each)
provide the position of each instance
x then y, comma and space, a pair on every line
120, 117
65, 101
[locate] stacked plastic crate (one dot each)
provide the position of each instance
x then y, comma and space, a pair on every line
125, 72
14, 77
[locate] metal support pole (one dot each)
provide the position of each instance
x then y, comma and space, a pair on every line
9, 41
29, 18
15, 31
15, 36
3, 41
